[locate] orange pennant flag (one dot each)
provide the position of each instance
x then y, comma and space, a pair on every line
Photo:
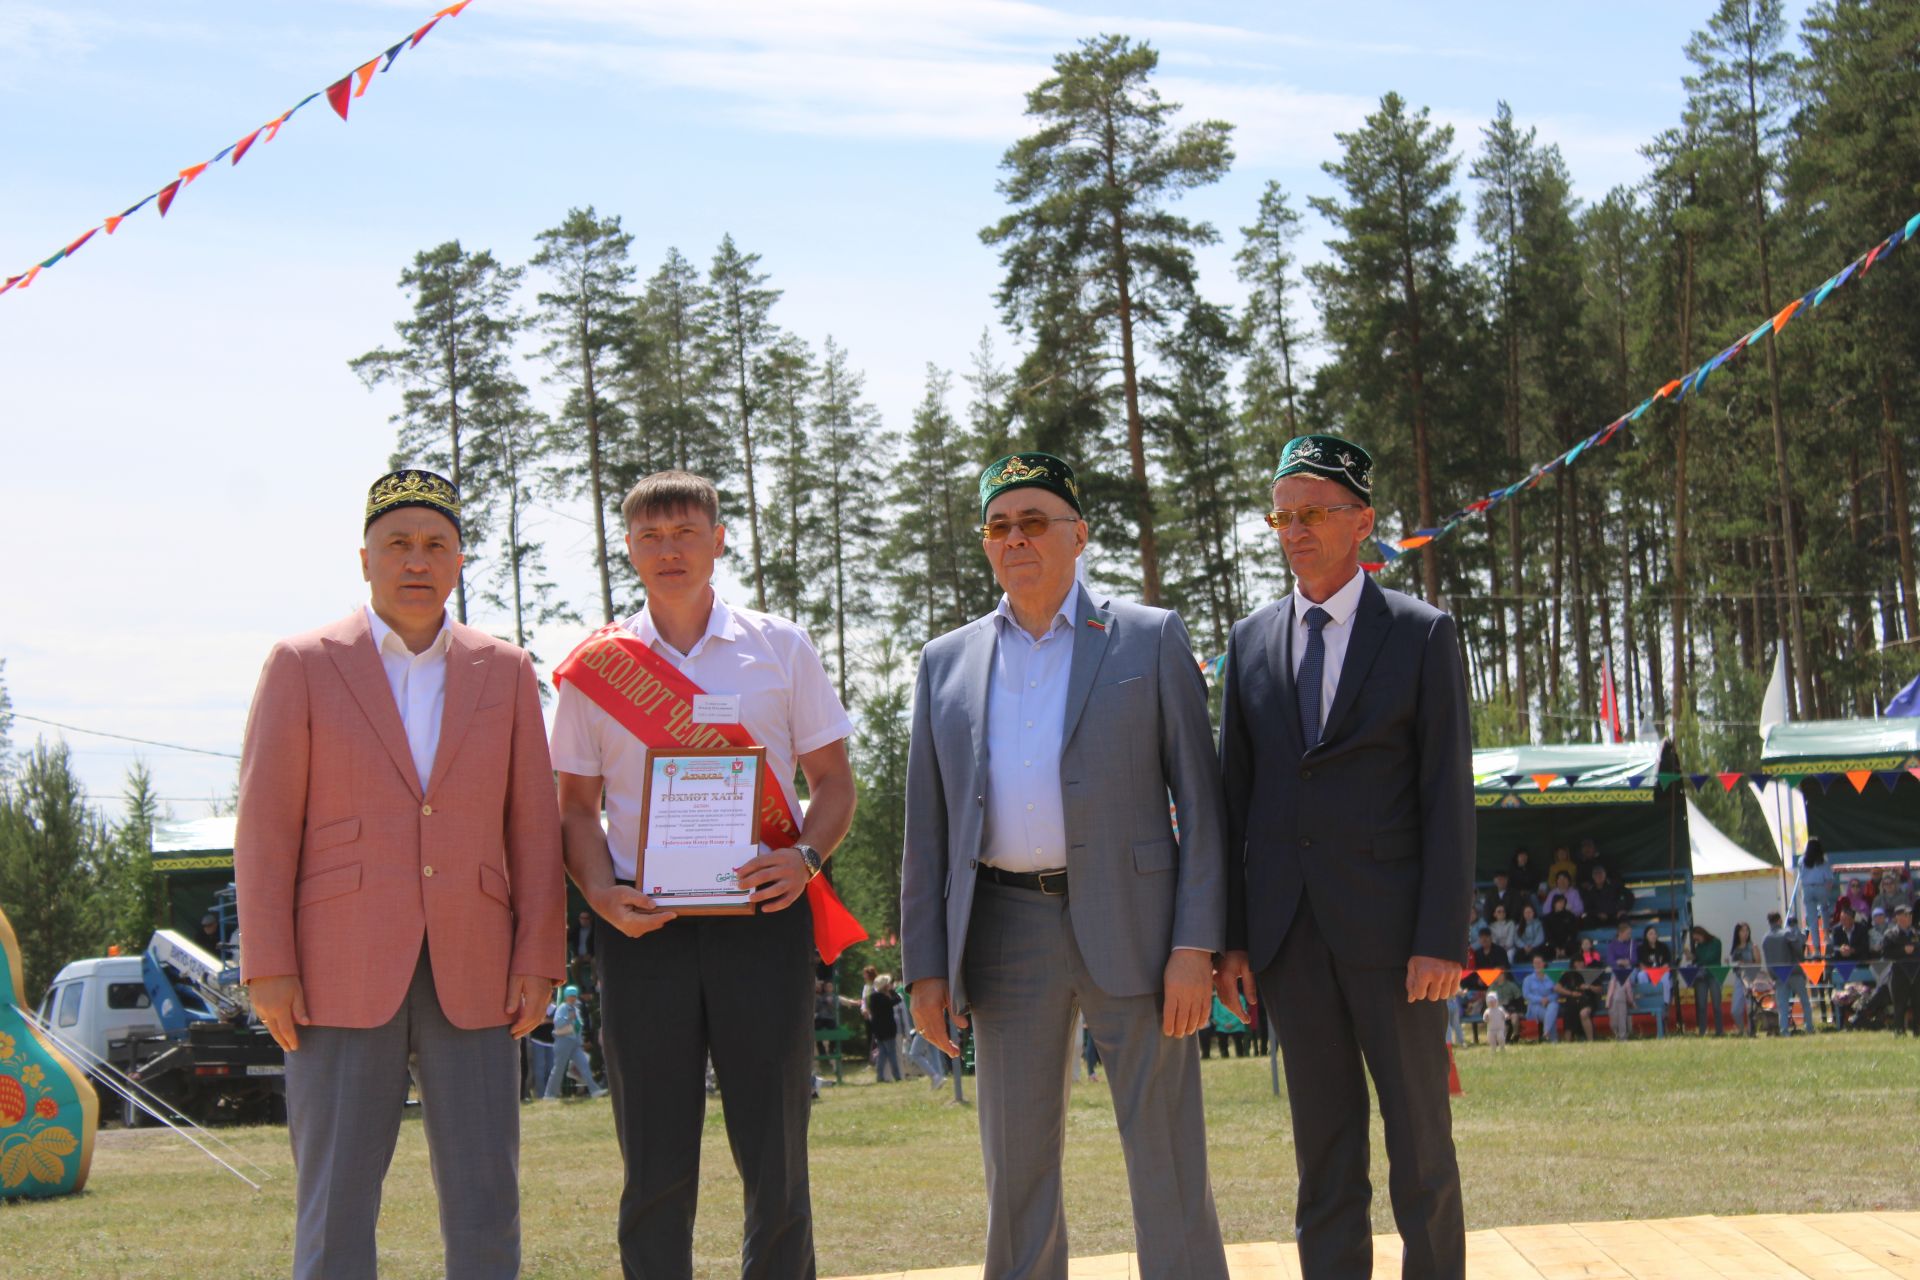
1669, 389
192, 171
1488, 976
273, 128
29, 277
1860, 778
1415, 541
114, 222
1814, 969
366, 74
453, 10
1786, 314
1544, 780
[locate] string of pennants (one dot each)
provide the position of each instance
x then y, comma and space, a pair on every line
339, 95
1814, 970
1727, 780
1673, 392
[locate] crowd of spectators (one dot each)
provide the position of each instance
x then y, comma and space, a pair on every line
1541, 930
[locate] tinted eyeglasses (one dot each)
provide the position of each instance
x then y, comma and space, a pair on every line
1030, 527
1309, 516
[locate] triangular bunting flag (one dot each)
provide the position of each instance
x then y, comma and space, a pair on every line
1700, 780
1780, 972
1623, 971
192, 171
452, 10
1889, 779
1513, 779
1825, 780
1728, 781
1842, 970
166, 195
1489, 976
1916, 774
393, 56
27, 279
1634, 781
1572, 779
365, 74
1859, 778
55, 258
421, 34
11, 281
240, 147
113, 222
1689, 974
1590, 975
1414, 542
339, 93
1543, 780
75, 246
1657, 974
1814, 969
1717, 973
1786, 314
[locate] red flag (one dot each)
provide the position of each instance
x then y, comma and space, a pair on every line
421, 34
366, 74
11, 281
339, 93
167, 193
75, 246
240, 147
1728, 781
1611, 729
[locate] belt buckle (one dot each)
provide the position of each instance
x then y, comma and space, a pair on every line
1048, 879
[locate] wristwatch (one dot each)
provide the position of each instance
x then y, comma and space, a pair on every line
810, 856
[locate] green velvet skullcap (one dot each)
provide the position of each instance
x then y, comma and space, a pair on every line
1028, 470
1331, 458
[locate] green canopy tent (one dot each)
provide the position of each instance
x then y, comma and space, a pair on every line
1869, 823
194, 860
1610, 793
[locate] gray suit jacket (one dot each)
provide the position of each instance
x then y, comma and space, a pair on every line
1375, 825
1136, 731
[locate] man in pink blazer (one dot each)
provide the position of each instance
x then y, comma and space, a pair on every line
401, 893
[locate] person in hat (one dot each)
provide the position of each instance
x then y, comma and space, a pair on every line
569, 1045
401, 893
1901, 947
1042, 874
1347, 754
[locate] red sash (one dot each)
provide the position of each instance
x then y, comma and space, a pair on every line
653, 701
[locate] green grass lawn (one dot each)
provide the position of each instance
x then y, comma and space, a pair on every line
1546, 1134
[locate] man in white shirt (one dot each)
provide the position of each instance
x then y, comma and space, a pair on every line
738, 987
1346, 751
1041, 876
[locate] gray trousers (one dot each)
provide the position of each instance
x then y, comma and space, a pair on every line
346, 1088
1025, 975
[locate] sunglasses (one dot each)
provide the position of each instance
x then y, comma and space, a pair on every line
1030, 527
1309, 516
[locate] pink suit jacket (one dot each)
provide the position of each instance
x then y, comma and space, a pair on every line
344, 865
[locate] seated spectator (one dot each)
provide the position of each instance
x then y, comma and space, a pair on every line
1562, 862
1620, 951
1590, 862
1652, 952
1563, 887
1706, 991
1819, 887
1507, 992
1542, 995
1523, 875
1580, 990
1529, 937
1606, 899
1852, 938
1892, 893
1502, 894
1474, 925
1562, 930
1857, 896
1485, 954
1504, 931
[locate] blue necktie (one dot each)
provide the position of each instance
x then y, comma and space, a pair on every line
1307, 683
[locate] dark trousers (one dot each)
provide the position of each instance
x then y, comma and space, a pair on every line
1336, 1024
738, 988
1903, 980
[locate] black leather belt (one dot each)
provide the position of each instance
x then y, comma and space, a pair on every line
1052, 883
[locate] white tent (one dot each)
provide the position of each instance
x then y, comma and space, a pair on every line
1729, 884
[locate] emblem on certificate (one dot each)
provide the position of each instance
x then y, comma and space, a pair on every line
699, 819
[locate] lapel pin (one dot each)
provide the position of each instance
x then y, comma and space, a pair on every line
1096, 624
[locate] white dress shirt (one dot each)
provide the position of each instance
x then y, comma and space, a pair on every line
1026, 827
787, 703
419, 684
1334, 634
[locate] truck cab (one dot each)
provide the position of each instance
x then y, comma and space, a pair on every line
98, 1001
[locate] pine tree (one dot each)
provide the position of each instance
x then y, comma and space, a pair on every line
515, 448
738, 309
50, 852
6, 727
1272, 335
585, 313
929, 550
1089, 191
784, 381
850, 458
1391, 277
453, 363
670, 377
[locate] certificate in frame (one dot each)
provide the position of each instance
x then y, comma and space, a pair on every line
699, 819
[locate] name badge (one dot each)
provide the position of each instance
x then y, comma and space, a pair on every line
716, 708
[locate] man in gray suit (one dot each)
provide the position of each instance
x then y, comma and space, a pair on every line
1347, 758
1041, 872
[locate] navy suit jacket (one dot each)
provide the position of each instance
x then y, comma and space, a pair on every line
1375, 825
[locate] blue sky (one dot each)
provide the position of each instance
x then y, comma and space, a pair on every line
185, 450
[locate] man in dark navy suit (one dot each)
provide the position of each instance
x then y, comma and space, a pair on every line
1346, 750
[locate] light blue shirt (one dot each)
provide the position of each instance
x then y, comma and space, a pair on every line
1026, 828
1538, 989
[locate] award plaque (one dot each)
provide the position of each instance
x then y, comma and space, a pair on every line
699, 819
